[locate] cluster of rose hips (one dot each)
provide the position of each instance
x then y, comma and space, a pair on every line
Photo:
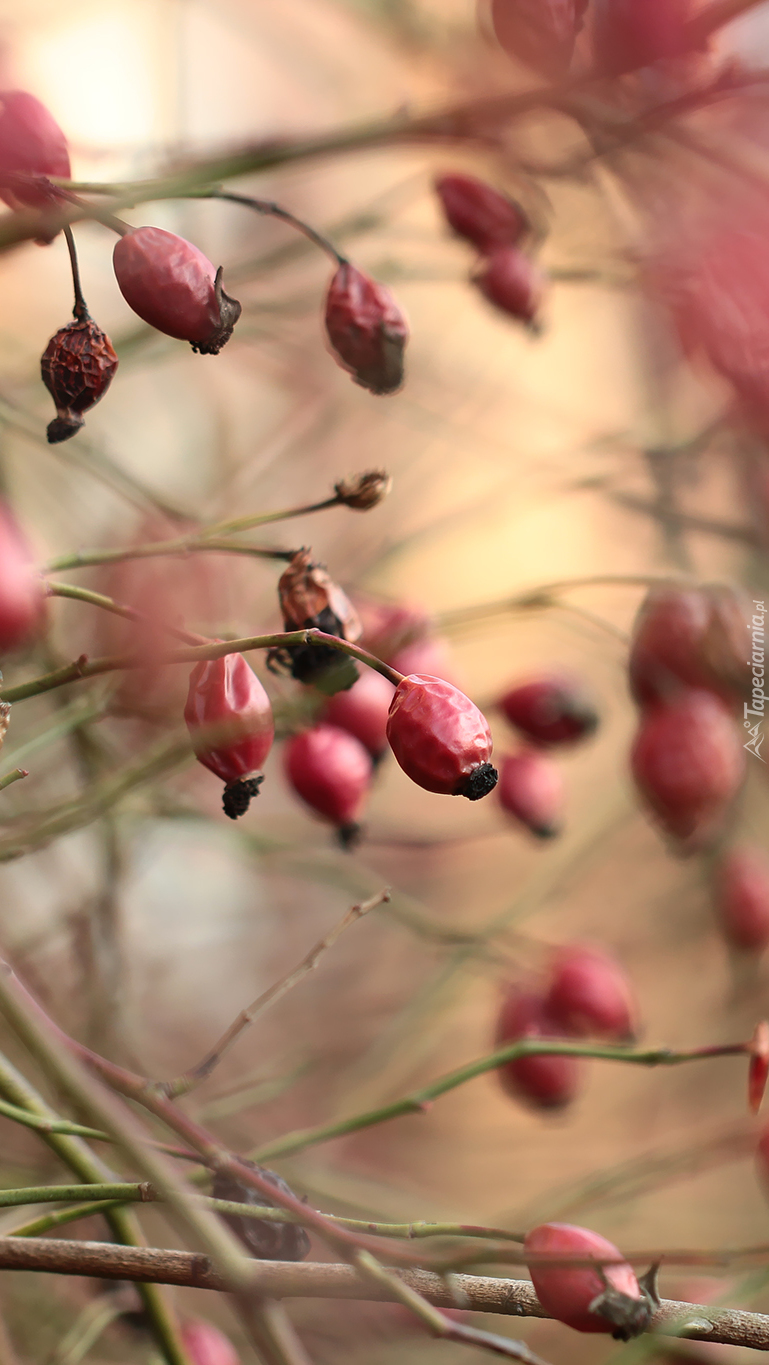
550, 711
495, 226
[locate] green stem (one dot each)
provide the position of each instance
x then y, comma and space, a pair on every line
12, 1111
47, 1221
98, 599
14, 775
544, 595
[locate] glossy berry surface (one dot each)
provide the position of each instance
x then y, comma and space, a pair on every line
589, 994
21, 590
206, 1345
270, 1241
171, 285
479, 213
690, 636
550, 710
440, 738
77, 366
688, 763
531, 789
512, 282
362, 710
634, 33
31, 145
331, 771
742, 898
229, 718
575, 1296
366, 329
546, 1082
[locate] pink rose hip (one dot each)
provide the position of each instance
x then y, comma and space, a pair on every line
545, 1082
531, 789
589, 1300
590, 995
479, 213
331, 771
172, 286
440, 738
229, 719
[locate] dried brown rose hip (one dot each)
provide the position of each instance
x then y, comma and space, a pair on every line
440, 738
742, 898
694, 637
546, 1082
539, 33
589, 994
531, 790
78, 366
610, 1299
32, 147
269, 1241
330, 769
229, 718
171, 285
512, 282
366, 329
479, 213
550, 710
310, 599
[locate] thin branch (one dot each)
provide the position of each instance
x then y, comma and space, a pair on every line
80, 310
98, 599
14, 775
272, 210
547, 594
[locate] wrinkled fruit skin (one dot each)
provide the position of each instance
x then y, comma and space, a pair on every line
366, 330
440, 738
634, 33
310, 599
479, 213
688, 763
206, 1345
362, 711
269, 1241
694, 637
31, 145
543, 1082
171, 285
742, 898
531, 790
331, 771
579, 1297
538, 33
512, 283
550, 711
77, 366
590, 996
229, 718
21, 590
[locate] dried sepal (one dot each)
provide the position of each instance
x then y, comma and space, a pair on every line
364, 491
311, 600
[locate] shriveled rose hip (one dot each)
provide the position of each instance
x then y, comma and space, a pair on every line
331, 771
587, 1300
628, 34
229, 718
479, 213
362, 710
78, 366
550, 710
440, 738
546, 1082
589, 994
171, 285
206, 1345
693, 636
310, 599
21, 589
742, 898
538, 33
270, 1241
512, 282
366, 329
32, 147
688, 763
531, 789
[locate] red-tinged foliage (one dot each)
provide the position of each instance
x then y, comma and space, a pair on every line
589, 994
366, 330
440, 738
172, 286
21, 589
229, 718
331, 771
78, 366
531, 789
479, 213
688, 763
362, 710
741, 884
32, 147
511, 281
550, 710
547, 1082
206, 1345
588, 1300
628, 34
695, 637
539, 33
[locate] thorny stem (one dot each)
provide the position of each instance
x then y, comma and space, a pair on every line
80, 310
269, 209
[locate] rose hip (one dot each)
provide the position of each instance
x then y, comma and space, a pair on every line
512, 282
32, 147
78, 366
480, 213
546, 1082
538, 33
742, 898
206, 1345
21, 589
531, 789
440, 738
589, 1300
310, 599
628, 34
590, 995
691, 636
171, 285
688, 763
331, 771
270, 1241
229, 718
366, 330
362, 711
550, 710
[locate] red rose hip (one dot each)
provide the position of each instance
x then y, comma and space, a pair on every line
362, 711
633, 33
512, 282
589, 994
229, 718
742, 898
538, 33
440, 738
479, 213
206, 1345
32, 147
550, 710
531, 790
171, 285
21, 589
589, 1300
545, 1082
366, 330
695, 637
331, 771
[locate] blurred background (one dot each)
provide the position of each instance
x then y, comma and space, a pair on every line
517, 461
